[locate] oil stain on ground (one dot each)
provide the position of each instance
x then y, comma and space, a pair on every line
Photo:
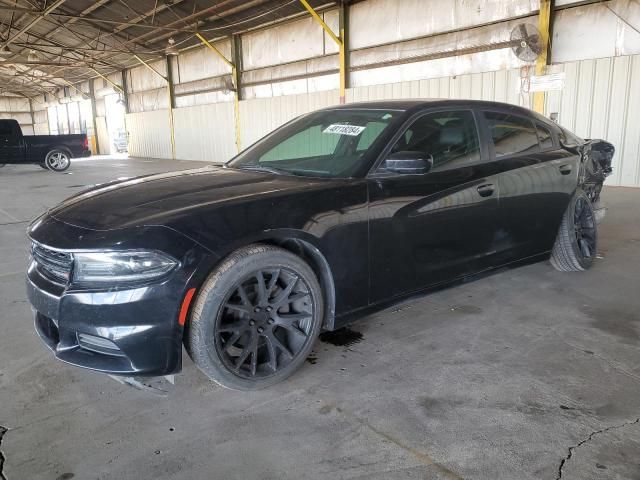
343, 337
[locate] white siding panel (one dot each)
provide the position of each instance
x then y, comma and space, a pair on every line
103, 136
149, 134
630, 168
41, 128
27, 129
617, 115
205, 132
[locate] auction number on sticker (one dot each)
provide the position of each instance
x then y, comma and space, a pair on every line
353, 130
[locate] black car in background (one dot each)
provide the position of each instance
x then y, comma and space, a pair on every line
52, 152
334, 214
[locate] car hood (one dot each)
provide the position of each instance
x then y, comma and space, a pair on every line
156, 199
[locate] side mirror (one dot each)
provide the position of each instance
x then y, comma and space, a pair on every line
408, 163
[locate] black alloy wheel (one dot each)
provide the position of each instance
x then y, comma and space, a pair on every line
577, 241
585, 227
255, 318
264, 323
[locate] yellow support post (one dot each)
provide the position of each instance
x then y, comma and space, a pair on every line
544, 25
171, 126
236, 84
339, 41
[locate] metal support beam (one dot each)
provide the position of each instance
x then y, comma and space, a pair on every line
339, 41
109, 81
125, 91
235, 77
33, 120
150, 67
215, 50
172, 93
171, 102
344, 49
94, 113
29, 25
544, 25
66, 108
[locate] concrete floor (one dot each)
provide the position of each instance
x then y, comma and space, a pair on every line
527, 374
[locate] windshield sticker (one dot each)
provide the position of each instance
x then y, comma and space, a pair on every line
352, 130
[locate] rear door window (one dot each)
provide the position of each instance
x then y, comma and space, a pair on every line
511, 134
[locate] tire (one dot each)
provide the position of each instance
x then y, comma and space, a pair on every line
577, 241
245, 337
43, 166
57, 160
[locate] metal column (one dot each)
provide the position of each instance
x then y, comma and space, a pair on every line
544, 25
340, 41
92, 97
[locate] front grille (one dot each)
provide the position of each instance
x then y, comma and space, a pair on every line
53, 264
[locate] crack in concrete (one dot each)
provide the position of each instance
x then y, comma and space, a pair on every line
3, 430
588, 439
421, 457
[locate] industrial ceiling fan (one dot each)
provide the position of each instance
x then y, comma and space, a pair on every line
526, 42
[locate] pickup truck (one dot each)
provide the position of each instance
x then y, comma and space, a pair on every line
53, 152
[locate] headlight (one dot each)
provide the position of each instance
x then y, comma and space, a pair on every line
120, 267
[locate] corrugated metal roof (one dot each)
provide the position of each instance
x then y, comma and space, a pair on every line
70, 38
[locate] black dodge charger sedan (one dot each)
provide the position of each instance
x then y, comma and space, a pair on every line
336, 213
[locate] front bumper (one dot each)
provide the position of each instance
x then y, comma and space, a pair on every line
139, 325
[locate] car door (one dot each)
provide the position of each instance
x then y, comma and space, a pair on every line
537, 178
428, 228
11, 144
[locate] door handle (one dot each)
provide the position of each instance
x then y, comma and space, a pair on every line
486, 190
565, 169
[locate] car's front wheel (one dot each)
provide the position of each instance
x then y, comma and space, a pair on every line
577, 240
256, 318
57, 160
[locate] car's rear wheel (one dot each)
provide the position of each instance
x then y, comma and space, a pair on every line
57, 160
256, 318
577, 240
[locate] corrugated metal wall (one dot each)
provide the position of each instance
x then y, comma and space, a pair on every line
149, 134
17, 108
501, 86
103, 136
601, 99
205, 132
598, 98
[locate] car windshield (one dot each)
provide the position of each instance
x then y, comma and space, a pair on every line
328, 143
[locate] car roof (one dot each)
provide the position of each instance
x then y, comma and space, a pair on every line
408, 104
419, 103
